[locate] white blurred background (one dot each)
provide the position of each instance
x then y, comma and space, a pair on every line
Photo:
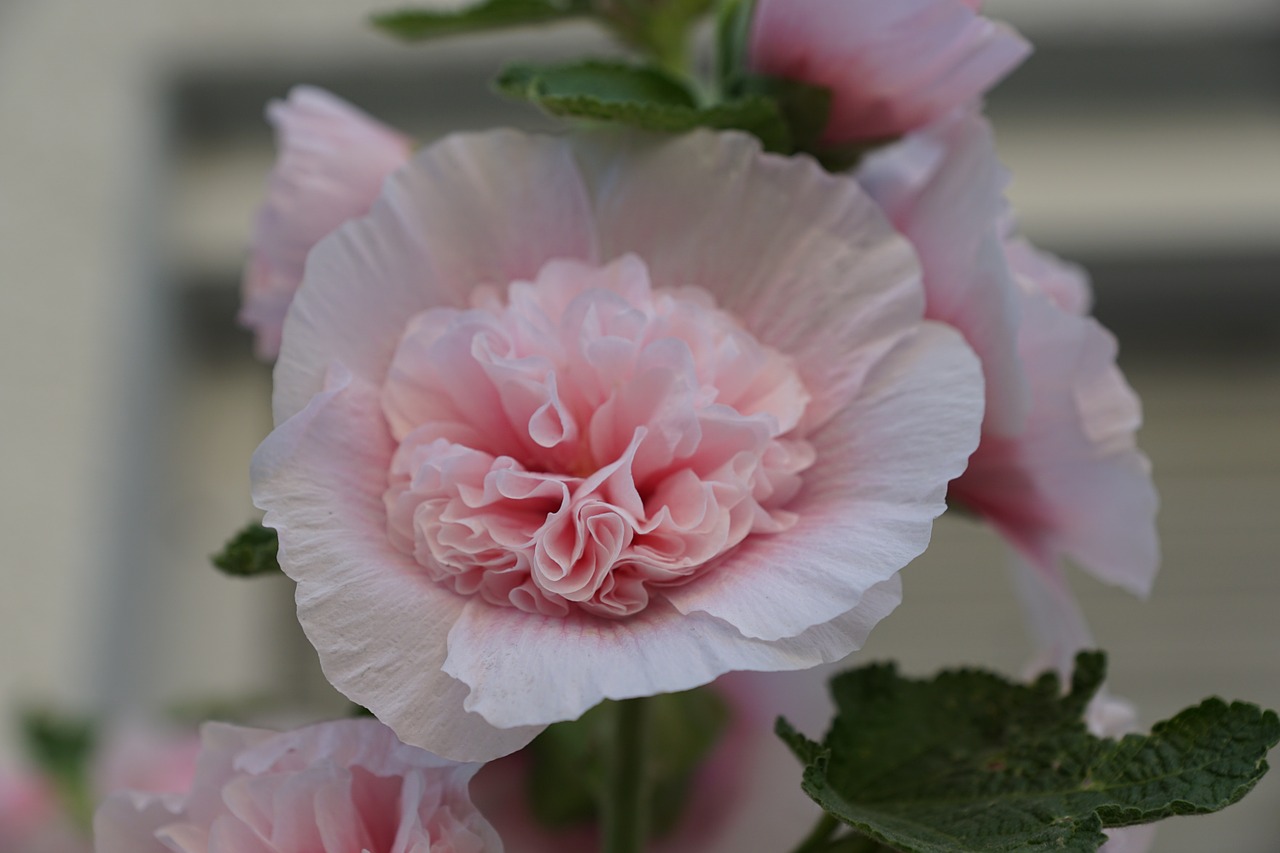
1144, 138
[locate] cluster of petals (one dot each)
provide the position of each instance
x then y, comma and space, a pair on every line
332, 161
891, 67
329, 788
566, 419
1057, 472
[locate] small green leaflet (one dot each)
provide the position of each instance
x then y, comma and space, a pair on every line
419, 24
250, 552
970, 761
639, 96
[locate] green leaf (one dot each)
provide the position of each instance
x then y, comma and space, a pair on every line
250, 552
639, 96
420, 24
569, 758
62, 747
970, 761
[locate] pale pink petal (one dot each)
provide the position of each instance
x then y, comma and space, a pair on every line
869, 509
891, 67
151, 757
1065, 283
508, 657
1131, 839
128, 822
377, 621
471, 210
332, 162
944, 189
803, 258
1072, 483
309, 791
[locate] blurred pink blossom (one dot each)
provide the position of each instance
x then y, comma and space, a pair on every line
553, 417
891, 67
31, 818
332, 161
35, 819
1057, 472
333, 787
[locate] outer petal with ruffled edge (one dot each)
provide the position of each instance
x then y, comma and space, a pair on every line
332, 162
1057, 471
891, 67
802, 260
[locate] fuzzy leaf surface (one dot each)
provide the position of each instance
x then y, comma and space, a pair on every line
421, 24
970, 761
249, 553
639, 96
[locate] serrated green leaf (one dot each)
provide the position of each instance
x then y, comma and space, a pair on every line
569, 758
639, 96
420, 24
970, 761
249, 553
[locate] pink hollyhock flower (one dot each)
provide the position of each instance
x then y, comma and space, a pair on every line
891, 67
1057, 471
329, 788
333, 160
566, 419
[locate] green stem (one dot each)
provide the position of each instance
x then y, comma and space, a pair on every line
820, 834
624, 815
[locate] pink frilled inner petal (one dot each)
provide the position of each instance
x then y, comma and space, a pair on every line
586, 439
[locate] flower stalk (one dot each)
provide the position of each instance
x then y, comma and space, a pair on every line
624, 818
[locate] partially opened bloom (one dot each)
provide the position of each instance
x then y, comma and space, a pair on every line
1057, 472
566, 419
891, 67
332, 161
329, 788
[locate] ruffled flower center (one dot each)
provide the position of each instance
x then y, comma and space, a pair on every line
587, 440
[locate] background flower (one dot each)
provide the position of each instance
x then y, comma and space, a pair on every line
891, 67
332, 161
332, 787
770, 379
36, 816
1057, 471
